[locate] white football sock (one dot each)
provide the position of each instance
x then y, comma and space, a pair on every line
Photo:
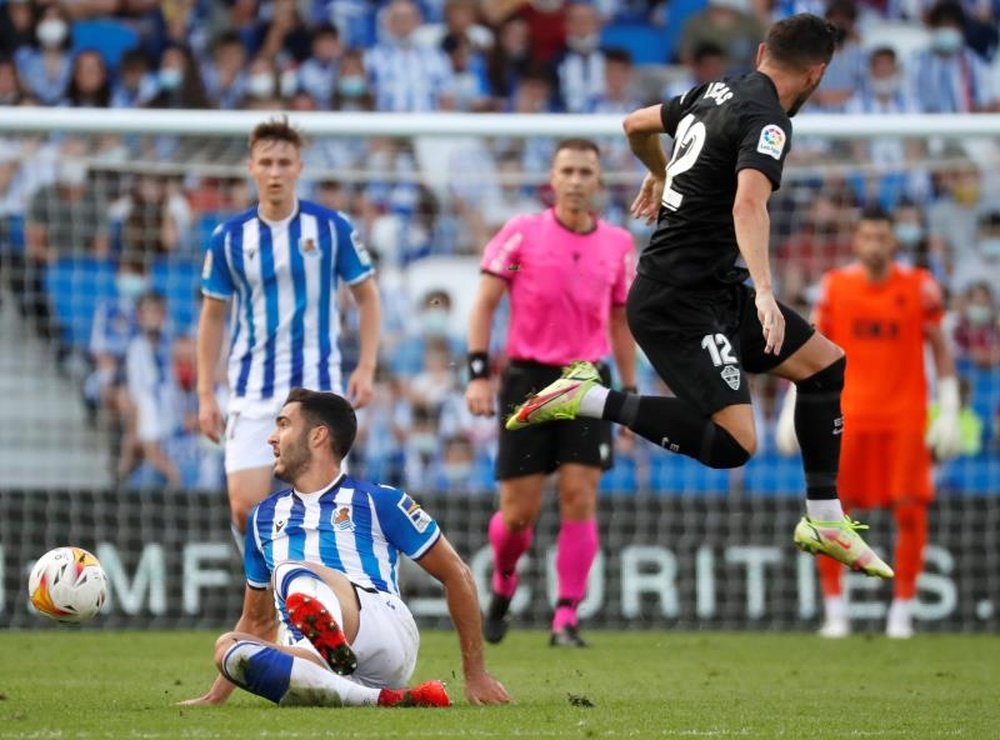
592, 403
824, 509
289, 680
835, 607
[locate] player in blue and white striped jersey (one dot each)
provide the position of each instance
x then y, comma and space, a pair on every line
321, 557
280, 262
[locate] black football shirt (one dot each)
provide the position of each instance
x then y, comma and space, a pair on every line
718, 129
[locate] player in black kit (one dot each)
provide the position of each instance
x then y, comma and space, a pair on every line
701, 326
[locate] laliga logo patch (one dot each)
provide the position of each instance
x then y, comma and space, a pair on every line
771, 141
731, 375
419, 518
342, 520
206, 269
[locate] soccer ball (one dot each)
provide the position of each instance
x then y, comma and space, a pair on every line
68, 584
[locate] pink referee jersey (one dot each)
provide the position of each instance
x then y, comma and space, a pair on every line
562, 286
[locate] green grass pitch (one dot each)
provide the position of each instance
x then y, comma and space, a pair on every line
630, 684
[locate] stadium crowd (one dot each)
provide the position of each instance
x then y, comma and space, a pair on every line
101, 238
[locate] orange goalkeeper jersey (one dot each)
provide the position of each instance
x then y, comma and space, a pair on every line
881, 327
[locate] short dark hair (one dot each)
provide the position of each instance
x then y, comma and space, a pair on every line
801, 41
706, 50
946, 12
578, 144
276, 129
331, 411
882, 51
618, 54
875, 212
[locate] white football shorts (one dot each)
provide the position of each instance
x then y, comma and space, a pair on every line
386, 645
246, 438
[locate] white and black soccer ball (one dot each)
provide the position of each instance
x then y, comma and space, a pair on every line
68, 584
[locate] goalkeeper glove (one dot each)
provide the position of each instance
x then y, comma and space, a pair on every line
784, 433
944, 436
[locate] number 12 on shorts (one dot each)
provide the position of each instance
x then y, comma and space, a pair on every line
719, 349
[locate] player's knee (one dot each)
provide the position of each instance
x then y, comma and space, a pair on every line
222, 646
828, 380
720, 449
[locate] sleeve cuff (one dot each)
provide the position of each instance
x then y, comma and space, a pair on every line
216, 295
361, 278
427, 546
256, 585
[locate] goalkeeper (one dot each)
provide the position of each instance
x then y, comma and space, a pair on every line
881, 313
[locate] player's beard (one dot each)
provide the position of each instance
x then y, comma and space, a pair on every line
801, 100
293, 460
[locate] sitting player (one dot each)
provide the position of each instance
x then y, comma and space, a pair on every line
324, 552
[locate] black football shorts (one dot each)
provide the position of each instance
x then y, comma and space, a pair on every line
703, 342
543, 448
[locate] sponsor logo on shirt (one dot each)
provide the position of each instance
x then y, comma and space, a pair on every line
771, 141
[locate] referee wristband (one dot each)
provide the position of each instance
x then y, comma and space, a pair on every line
479, 365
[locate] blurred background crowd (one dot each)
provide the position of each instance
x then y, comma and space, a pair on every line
101, 237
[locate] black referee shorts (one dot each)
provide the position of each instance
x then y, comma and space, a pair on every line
543, 448
703, 342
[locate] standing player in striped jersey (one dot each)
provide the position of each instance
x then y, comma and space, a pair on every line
281, 261
568, 273
321, 557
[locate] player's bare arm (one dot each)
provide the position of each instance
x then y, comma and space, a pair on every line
643, 129
479, 395
753, 228
442, 562
361, 384
258, 619
211, 327
622, 346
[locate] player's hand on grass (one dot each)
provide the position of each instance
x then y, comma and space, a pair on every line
208, 699
482, 688
646, 206
210, 418
772, 320
479, 397
361, 387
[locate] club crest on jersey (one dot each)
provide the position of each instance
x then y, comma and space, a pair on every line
419, 518
307, 246
342, 520
771, 141
731, 375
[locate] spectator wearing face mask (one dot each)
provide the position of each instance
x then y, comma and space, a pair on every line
262, 86
982, 263
977, 330
406, 77
180, 84
884, 92
948, 76
353, 91
225, 80
581, 69
46, 67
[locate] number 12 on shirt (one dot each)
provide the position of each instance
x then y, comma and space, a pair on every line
688, 142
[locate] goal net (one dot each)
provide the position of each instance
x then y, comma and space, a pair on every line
103, 222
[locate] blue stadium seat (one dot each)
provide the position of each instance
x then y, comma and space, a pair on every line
970, 475
75, 286
622, 478
178, 280
770, 474
985, 395
110, 38
670, 473
647, 44
13, 243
